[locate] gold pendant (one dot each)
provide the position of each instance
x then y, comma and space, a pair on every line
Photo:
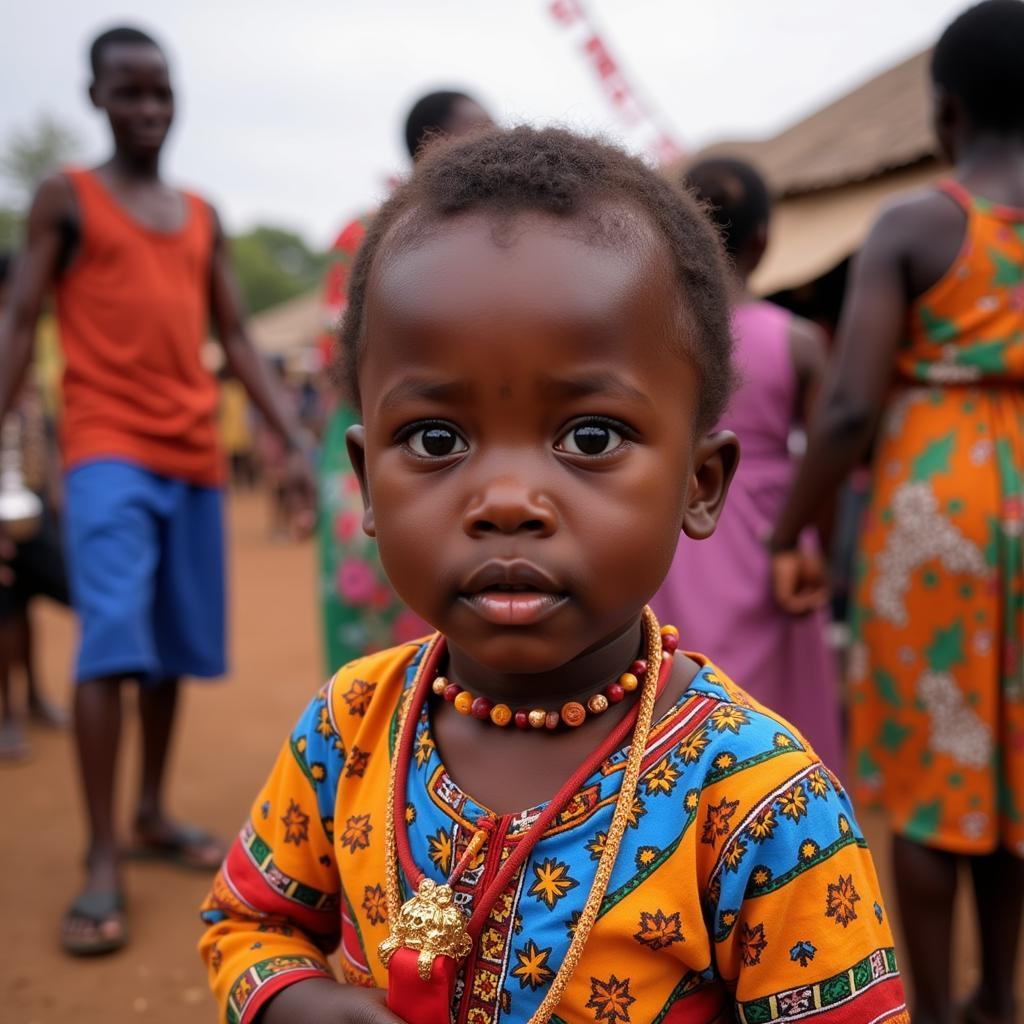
431, 924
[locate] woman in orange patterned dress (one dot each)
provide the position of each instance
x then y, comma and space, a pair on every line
931, 352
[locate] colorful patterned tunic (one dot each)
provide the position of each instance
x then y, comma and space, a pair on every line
743, 889
937, 674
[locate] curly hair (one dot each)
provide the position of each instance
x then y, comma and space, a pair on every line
569, 176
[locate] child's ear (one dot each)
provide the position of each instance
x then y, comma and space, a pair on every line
715, 458
355, 440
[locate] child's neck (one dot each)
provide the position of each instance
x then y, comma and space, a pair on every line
582, 676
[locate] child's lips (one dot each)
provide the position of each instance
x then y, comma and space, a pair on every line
513, 606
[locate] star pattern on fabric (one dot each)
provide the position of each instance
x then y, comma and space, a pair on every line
532, 969
793, 803
296, 824
356, 835
610, 1000
661, 779
424, 748
728, 718
693, 746
440, 850
659, 929
375, 904
763, 826
734, 855
716, 824
840, 899
817, 783
358, 696
551, 881
355, 765
752, 944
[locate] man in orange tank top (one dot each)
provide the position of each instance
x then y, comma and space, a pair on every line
138, 268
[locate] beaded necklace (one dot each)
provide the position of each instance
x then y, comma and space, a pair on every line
429, 934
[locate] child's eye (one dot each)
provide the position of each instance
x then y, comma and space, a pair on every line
435, 441
592, 437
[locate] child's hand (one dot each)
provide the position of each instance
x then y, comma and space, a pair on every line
324, 1001
800, 581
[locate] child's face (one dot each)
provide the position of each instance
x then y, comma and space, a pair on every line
529, 453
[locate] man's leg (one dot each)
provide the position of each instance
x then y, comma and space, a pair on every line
13, 746
926, 881
41, 710
157, 834
95, 922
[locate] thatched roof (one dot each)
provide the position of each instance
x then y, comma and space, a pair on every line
880, 126
295, 324
833, 171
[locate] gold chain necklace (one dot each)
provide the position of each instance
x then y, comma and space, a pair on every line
616, 830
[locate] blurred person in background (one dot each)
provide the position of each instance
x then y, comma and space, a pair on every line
33, 567
732, 613
930, 352
361, 613
138, 268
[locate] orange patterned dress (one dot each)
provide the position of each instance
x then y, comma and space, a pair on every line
937, 678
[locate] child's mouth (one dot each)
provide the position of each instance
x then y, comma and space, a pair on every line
512, 594
513, 606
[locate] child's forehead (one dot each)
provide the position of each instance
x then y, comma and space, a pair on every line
520, 262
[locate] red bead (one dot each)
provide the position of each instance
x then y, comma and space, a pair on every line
522, 719
481, 708
552, 720
451, 691
669, 642
614, 693
639, 667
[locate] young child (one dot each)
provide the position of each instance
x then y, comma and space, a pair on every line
783, 658
932, 334
538, 340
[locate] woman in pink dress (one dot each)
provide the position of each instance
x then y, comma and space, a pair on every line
719, 590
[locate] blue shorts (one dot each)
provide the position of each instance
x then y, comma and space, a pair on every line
145, 558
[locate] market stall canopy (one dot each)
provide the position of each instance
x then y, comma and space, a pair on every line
832, 171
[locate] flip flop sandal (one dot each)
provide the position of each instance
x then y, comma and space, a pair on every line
97, 908
181, 848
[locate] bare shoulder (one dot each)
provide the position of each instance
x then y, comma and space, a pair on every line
808, 346
54, 199
910, 220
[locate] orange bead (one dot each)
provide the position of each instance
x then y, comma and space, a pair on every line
573, 713
666, 630
538, 716
598, 703
464, 702
501, 714
438, 685
628, 682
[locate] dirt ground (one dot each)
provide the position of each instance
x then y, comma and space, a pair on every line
229, 734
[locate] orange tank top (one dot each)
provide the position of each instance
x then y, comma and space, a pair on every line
132, 310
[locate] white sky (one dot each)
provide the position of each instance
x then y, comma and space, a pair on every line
291, 113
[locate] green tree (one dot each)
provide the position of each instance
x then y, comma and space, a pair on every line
273, 265
28, 155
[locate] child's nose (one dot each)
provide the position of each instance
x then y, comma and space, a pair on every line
509, 506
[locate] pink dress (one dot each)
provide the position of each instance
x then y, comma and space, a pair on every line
718, 591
